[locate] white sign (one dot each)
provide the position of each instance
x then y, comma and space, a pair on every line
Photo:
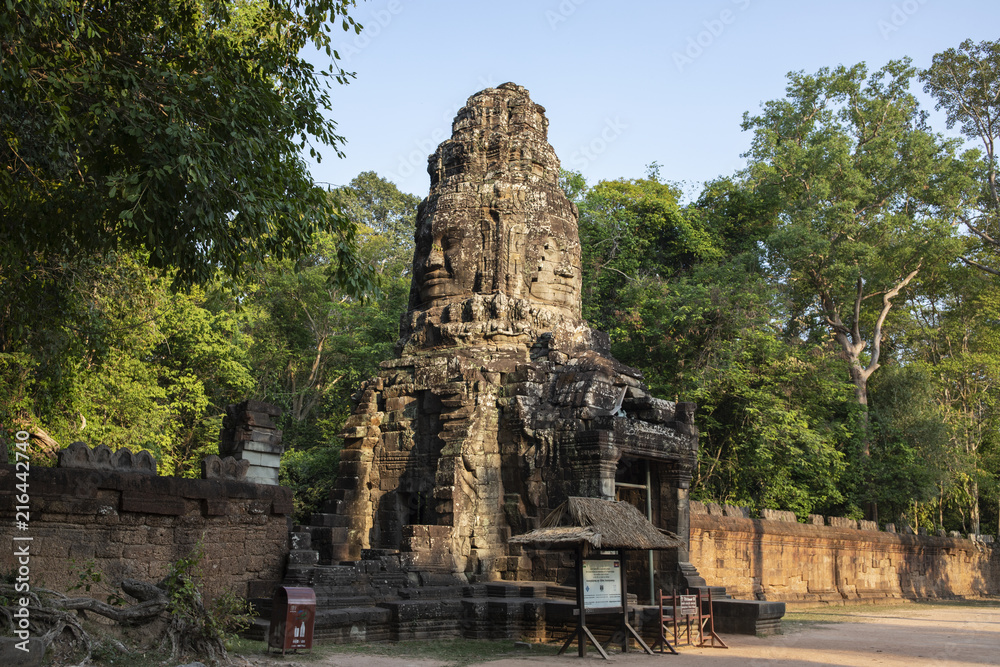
688, 605
602, 584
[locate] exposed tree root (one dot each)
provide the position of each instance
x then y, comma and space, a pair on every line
51, 614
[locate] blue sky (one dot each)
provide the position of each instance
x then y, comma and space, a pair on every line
624, 84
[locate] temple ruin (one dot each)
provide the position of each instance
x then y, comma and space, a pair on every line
501, 402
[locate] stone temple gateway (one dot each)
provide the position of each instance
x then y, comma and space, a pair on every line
501, 401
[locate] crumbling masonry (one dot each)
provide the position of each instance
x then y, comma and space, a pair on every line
501, 401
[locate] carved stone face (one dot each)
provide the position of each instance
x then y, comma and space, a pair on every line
553, 274
447, 257
462, 251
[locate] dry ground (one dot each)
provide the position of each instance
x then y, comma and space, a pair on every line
910, 635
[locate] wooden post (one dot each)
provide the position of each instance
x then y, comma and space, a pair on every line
627, 628
624, 590
581, 604
582, 633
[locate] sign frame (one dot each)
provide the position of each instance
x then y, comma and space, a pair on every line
688, 605
602, 583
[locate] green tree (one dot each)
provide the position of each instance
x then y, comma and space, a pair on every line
573, 184
909, 457
867, 196
386, 218
314, 341
701, 319
956, 338
771, 414
172, 127
133, 365
314, 344
965, 82
631, 229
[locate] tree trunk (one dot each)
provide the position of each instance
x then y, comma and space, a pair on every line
48, 446
859, 376
974, 510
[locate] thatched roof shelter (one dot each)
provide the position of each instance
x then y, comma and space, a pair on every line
603, 524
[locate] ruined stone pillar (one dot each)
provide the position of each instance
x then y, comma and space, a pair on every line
249, 433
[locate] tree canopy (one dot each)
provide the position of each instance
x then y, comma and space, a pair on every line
965, 83
867, 195
169, 127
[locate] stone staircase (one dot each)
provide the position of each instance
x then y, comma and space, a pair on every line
393, 595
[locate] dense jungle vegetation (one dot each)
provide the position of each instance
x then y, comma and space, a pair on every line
832, 308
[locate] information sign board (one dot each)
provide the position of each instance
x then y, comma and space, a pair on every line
688, 605
602, 583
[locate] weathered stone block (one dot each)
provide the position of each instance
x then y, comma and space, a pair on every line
150, 504
778, 515
734, 511
303, 557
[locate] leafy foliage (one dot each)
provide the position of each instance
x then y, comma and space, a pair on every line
193, 626
630, 229
867, 194
169, 127
131, 364
314, 344
965, 82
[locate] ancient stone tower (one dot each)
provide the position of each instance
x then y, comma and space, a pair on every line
501, 401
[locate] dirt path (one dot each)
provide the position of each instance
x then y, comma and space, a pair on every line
910, 636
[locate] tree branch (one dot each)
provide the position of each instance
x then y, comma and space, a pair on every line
886, 305
979, 266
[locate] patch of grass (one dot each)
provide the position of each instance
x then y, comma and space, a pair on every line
991, 602
456, 652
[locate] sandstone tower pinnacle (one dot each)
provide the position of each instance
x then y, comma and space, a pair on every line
501, 401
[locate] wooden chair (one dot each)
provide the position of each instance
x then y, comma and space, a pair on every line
706, 622
671, 625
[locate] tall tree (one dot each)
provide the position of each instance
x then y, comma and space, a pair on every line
965, 82
867, 197
770, 413
314, 342
170, 126
956, 338
386, 219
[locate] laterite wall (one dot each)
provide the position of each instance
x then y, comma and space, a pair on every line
761, 559
133, 525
